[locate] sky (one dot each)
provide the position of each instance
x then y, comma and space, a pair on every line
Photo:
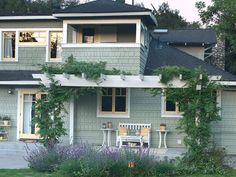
186, 7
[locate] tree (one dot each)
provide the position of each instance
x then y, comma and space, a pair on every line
169, 18
221, 15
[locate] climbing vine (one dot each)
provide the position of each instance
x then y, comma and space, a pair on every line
199, 108
50, 111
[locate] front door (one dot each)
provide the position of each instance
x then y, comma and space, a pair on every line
28, 130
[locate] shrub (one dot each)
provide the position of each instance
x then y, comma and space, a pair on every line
46, 160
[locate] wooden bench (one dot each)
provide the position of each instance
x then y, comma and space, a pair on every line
141, 134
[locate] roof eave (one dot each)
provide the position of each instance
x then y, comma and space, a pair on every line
33, 17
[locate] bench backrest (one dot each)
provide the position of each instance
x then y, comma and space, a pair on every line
133, 126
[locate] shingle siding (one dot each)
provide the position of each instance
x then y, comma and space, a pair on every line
125, 59
143, 109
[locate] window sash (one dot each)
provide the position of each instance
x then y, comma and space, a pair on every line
56, 38
32, 37
177, 109
9, 45
115, 97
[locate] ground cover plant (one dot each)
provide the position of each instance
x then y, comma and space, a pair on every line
84, 160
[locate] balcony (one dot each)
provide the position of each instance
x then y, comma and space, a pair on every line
118, 43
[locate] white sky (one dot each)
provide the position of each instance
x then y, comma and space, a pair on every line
186, 7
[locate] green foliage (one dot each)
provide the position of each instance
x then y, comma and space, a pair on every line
50, 112
221, 15
30, 6
171, 19
199, 109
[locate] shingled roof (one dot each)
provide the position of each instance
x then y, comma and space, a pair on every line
187, 36
161, 54
17, 75
103, 6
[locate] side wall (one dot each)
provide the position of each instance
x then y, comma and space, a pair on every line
125, 59
8, 105
143, 109
225, 130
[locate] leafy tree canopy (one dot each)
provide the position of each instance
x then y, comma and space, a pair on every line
34, 6
221, 15
171, 19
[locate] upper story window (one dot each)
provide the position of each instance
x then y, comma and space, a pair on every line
55, 46
114, 101
32, 37
88, 35
9, 46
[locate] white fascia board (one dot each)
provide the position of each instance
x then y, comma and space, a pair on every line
227, 83
45, 17
101, 14
19, 83
94, 45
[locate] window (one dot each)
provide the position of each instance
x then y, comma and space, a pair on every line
114, 101
32, 37
9, 46
170, 108
88, 35
28, 130
55, 46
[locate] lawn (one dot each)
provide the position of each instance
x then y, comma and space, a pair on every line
21, 173
31, 173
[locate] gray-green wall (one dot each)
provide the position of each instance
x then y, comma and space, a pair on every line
225, 130
143, 109
125, 59
8, 106
31, 24
30, 58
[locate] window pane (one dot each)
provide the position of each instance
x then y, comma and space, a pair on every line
123, 91
118, 90
55, 44
107, 91
9, 44
170, 106
106, 103
88, 35
37, 37
120, 104
29, 102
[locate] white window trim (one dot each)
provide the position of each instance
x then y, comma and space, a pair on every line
113, 115
165, 114
18, 45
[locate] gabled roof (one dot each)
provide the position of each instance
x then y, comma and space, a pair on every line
187, 36
108, 9
161, 55
103, 6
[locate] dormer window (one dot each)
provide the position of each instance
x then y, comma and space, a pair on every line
88, 35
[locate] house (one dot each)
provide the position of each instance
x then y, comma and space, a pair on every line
121, 35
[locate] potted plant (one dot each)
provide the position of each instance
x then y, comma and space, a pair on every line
162, 126
6, 120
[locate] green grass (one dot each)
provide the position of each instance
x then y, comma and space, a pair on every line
31, 173
21, 173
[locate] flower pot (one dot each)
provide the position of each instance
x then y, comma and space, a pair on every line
162, 127
6, 122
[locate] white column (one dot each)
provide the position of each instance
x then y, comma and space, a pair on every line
65, 31
218, 100
1, 49
71, 123
138, 32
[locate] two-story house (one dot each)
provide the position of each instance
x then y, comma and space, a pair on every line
121, 35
